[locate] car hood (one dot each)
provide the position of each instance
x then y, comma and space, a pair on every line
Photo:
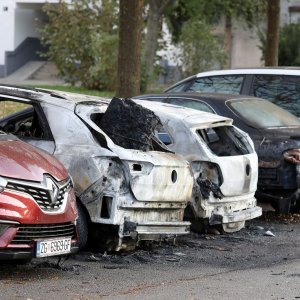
22, 161
271, 143
284, 132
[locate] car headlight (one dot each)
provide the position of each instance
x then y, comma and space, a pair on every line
292, 156
3, 183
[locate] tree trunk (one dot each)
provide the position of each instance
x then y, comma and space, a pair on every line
273, 13
129, 57
228, 40
154, 23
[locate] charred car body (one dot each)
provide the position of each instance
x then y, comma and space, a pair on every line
222, 159
274, 131
37, 203
139, 194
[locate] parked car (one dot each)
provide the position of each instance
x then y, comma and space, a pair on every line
280, 85
132, 194
37, 203
223, 162
276, 136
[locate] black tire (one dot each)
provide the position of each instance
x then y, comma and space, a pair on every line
81, 226
284, 206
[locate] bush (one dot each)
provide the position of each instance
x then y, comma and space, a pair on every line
289, 45
200, 50
82, 40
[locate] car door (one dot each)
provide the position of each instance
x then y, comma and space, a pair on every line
26, 120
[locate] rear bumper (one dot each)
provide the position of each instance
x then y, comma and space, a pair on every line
153, 230
237, 216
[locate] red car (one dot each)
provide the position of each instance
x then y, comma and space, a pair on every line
37, 203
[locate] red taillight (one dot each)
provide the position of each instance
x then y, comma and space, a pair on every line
292, 156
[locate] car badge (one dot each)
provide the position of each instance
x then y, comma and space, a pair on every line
52, 188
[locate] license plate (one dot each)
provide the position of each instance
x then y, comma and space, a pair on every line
53, 247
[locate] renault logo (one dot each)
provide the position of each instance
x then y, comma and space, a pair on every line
52, 188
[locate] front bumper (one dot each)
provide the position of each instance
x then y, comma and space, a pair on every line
24, 254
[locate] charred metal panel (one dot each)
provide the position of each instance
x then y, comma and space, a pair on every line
130, 125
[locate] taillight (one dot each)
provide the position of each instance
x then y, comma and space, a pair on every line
292, 156
207, 170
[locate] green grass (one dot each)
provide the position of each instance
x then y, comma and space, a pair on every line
76, 89
9, 107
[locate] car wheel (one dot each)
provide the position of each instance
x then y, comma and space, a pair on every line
284, 206
81, 226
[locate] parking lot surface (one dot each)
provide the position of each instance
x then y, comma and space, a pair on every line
247, 264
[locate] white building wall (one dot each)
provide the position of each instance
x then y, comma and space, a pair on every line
245, 51
25, 24
7, 28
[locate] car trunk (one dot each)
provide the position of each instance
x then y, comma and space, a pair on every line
233, 163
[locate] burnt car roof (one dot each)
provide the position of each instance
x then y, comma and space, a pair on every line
55, 97
189, 116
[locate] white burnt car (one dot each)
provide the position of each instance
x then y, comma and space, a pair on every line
223, 161
125, 195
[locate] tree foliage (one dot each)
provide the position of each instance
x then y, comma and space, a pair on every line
82, 39
203, 16
200, 50
289, 45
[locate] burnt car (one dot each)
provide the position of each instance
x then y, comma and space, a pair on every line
37, 203
127, 191
280, 85
276, 136
223, 162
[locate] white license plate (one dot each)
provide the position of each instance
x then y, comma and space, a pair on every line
53, 247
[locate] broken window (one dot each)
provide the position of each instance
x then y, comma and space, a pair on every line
20, 119
225, 141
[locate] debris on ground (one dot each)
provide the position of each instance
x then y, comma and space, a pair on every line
269, 233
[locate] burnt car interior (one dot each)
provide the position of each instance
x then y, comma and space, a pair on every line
21, 119
224, 141
134, 128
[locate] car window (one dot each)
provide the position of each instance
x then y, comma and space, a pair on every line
281, 90
178, 88
20, 119
260, 113
164, 136
156, 99
199, 105
228, 84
